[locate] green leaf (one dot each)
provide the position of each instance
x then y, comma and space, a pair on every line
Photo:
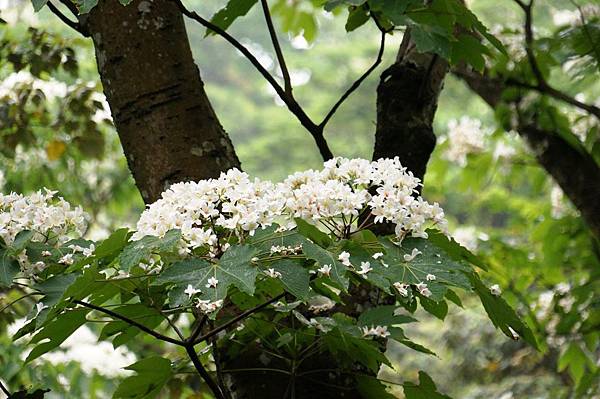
431, 39
357, 17
383, 316
575, 359
228, 14
349, 349
294, 277
151, 375
454, 250
56, 332
324, 257
38, 4
372, 388
85, 6
113, 244
122, 331
21, 240
438, 309
432, 260
313, 233
501, 314
425, 390
233, 269
137, 251
9, 267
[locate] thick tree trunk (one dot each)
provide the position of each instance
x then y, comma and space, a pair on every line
407, 98
575, 171
166, 124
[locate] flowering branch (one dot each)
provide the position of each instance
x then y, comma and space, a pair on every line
238, 318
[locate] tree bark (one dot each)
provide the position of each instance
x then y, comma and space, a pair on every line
166, 124
407, 98
574, 170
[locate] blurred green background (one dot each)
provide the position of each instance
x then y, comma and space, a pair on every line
499, 201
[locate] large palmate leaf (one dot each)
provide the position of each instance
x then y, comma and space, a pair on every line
294, 277
235, 268
324, 257
501, 314
151, 375
139, 250
426, 389
431, 261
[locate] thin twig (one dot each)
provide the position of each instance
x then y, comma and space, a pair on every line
214, 387
287, 81
239, 317
174, 327
134, 323
4, 389
73, 24
197, 329
542, 85
295, 108
358, 82
8, 305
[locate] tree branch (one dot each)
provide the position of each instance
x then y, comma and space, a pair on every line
357, 83
131, 322
73, 24
239, 317
575, 171
214, 387
280, 59
4, 389
543, 86
287, 98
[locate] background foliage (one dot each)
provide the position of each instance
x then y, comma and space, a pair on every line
501, 203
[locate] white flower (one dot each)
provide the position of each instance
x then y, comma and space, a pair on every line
46, 253
412, 255
212, 283
66, 259
191, 291
378, 331
495, 290
344, 257
325, 270
377, 255
465, 136
273, 273
423, 290
365, 267
430, 277
207, 306
401, 288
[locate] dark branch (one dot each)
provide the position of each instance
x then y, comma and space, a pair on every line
131, 322
280, 59
73, 24
4, 389
287, 98
214, 387
236, 319
542, 85
357, 83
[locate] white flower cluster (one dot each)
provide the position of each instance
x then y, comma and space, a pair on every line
338, 197
53, 221
465, 136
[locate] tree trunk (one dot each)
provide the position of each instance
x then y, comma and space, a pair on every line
407, 98
575, 171
166, 124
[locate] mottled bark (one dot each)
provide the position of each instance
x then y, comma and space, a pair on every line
166, 124
574, 170
407, 98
